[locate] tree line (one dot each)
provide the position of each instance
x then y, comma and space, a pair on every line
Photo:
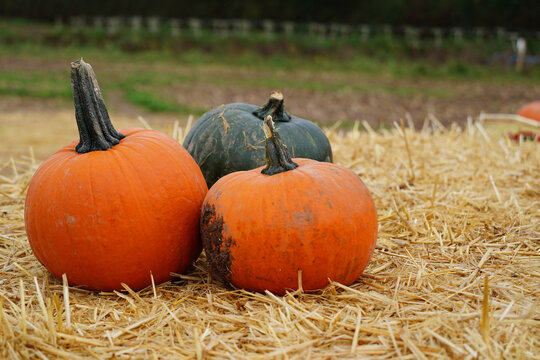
513, 14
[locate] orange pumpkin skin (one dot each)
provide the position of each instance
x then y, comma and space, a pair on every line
116, 216
530, 110
259, 230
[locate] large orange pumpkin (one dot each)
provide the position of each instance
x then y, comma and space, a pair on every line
530, 110
114, 207
261, 227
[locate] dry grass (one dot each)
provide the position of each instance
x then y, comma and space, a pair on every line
456, 273
49, 125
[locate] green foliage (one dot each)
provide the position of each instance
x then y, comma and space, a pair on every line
36, 84
148, 75
151, 102
517, 14
298, 45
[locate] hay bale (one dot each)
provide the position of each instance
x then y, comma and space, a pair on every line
455, 273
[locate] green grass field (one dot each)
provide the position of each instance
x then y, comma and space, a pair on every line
149, 75
327, 81
152, 62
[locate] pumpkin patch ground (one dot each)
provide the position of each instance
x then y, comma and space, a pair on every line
455, 273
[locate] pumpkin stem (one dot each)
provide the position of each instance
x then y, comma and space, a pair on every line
278, 159
274, 107
96, 131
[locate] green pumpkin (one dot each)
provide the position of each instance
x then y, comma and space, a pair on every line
230, 138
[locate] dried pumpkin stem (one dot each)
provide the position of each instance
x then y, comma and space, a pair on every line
275, 108
96, 131
278, 159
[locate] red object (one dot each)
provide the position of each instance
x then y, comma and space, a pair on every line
526, 135
530, 110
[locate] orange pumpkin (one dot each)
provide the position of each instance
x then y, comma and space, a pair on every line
114, 207
260, 227
530, 110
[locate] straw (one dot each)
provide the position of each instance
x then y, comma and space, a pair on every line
471, 213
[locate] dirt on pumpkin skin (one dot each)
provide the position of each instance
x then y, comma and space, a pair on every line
217, 248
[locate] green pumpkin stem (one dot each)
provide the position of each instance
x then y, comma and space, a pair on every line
96, 131
278, 159
275, 108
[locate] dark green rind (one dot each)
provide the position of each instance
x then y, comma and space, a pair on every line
220, 150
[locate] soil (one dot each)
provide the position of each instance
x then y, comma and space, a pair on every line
47, 124
466, 99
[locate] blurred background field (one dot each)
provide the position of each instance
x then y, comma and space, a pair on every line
455, 271
165, 68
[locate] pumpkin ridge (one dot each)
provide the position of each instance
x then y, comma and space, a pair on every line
341, 189
117, 157
59, 168
124, 165
98, 231
166, 150
42, 182
53, 176
312, 133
